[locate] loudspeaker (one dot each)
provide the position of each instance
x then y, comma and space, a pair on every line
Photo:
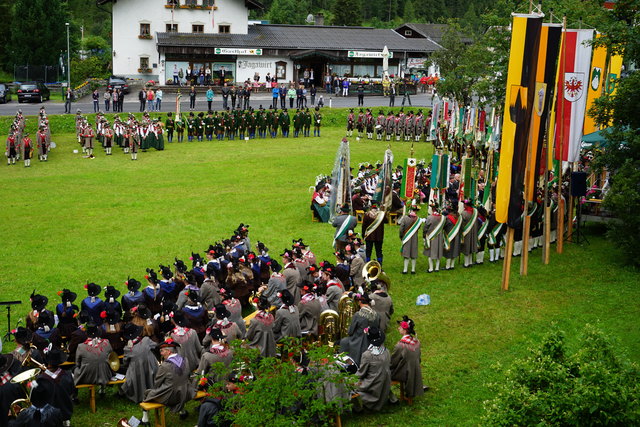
578, 184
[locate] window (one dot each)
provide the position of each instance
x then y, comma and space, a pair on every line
224, 29
208, 3
173, 2
191, 2
361, 70
408, 32
197, 28
172, 28
145, 29
144, 63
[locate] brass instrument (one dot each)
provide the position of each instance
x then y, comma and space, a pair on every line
30, 361
114, 361
329, 328
373, 271
347, 307
23, 379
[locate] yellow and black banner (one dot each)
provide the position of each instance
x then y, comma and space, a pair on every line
548, 52
597, 79
521, 83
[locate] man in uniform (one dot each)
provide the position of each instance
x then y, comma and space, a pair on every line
317, 121
433, 238
343, 223
208, 126
469, 232
284, 121
373, 232
409, 226
169, 125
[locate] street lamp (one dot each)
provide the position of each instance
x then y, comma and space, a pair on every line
68, 59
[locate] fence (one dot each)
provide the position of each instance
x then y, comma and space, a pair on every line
43, 73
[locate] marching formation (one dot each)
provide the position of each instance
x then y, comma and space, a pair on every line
401, 126
191, 315
20, 146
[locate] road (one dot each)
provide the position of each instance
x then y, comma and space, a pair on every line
131, 103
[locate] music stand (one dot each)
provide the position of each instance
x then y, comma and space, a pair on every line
578, 233
9, 335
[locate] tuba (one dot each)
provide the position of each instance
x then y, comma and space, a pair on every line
23, 378
114, 361
373, 271
329, 328
347, 307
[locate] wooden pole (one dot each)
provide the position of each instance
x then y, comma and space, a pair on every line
570, 215
506, 267
560, 232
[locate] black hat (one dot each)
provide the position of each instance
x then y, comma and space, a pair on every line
327, 267
180, 319
6, 360
166, 327
287, 253
55, 357
261, 247
216, 334
166, 272
275, 266
143, 311
286, 297
407, 324
131, 331
263, 303
111, 292
42, 392
67, 296
23, 336
312, 268
38, 302
151, 276
363, 298
132, 284
113, 316
222, 311
375, 336
180, 266
92, 289
192, 295
169, 343
84, 316
45, 319
168, 306
93, 331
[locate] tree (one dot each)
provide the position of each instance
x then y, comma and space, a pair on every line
593, 386
5, 36
347, 12
288, 12
621, 156
409, 12
38, 32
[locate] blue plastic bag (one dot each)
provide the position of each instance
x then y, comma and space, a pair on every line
423, 299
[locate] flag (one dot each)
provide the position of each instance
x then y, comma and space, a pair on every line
548, 52
615, 67
340, 180
384, 189
525, 37
597, 78
574, 73
408, 179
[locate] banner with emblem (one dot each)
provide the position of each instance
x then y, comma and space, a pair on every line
615, 68
548, 52
570, 112
525, 35
596, 84
408, 179
340, 180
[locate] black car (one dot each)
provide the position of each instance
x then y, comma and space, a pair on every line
116, 82
5, 93
33, 91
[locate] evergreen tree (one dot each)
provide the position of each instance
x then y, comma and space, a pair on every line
5, 36
409, 12
38, 32
288, 12
347, 12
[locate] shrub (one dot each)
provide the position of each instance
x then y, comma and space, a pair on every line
593, 386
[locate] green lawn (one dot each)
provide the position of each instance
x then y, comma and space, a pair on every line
73, 219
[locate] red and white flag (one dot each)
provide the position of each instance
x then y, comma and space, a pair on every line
575, 61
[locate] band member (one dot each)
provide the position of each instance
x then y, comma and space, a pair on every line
139, 361
260, 332
87, 139
13, 148
374, 373
134, 141
27, 150
409, 226
92, 359
405, 360
43, 144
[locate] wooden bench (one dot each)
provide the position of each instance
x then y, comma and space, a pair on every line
359, 216
392, 218
338, 418
158, 408
402, 396
314, 218
92, 392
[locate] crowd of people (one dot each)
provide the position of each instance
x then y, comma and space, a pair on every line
191, 315
19, 145
401, 126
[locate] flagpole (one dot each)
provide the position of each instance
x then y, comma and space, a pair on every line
547, 206
560, 229
506, 268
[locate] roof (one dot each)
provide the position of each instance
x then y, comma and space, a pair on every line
251, 4
431, 31
303, 37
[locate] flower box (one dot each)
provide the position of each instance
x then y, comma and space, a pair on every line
145, 36
144, 70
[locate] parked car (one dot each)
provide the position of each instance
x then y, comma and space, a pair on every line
33, 91
116, 82
5, 93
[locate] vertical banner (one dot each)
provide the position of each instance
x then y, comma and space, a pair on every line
340, 180
571, 112
615, 68
596, 83
408, 179
548, 52
521, 75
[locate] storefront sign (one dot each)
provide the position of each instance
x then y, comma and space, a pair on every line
228, 51
416, 62
366, 54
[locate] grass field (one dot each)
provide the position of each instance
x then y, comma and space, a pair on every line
71, 220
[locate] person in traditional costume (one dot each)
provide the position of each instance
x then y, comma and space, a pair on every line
66, 310
38, 306
139, 361
111, 302
309, 309
45, 332
451, 231
63, 389
142, 316
409, 226
355, 343
13, 148
171, 385
217, 351
291, 274
26, 146
381, 302
433, 238
260, 332
9, 391
234, 307
43, 144
92, 359
190, 348
92, 304
153, 293
222, 321
24, 346
374, 385
112, 329
334, 287
133, 297
469, 232
41, 413
343, 223
287, 322
406, 359
275, 285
